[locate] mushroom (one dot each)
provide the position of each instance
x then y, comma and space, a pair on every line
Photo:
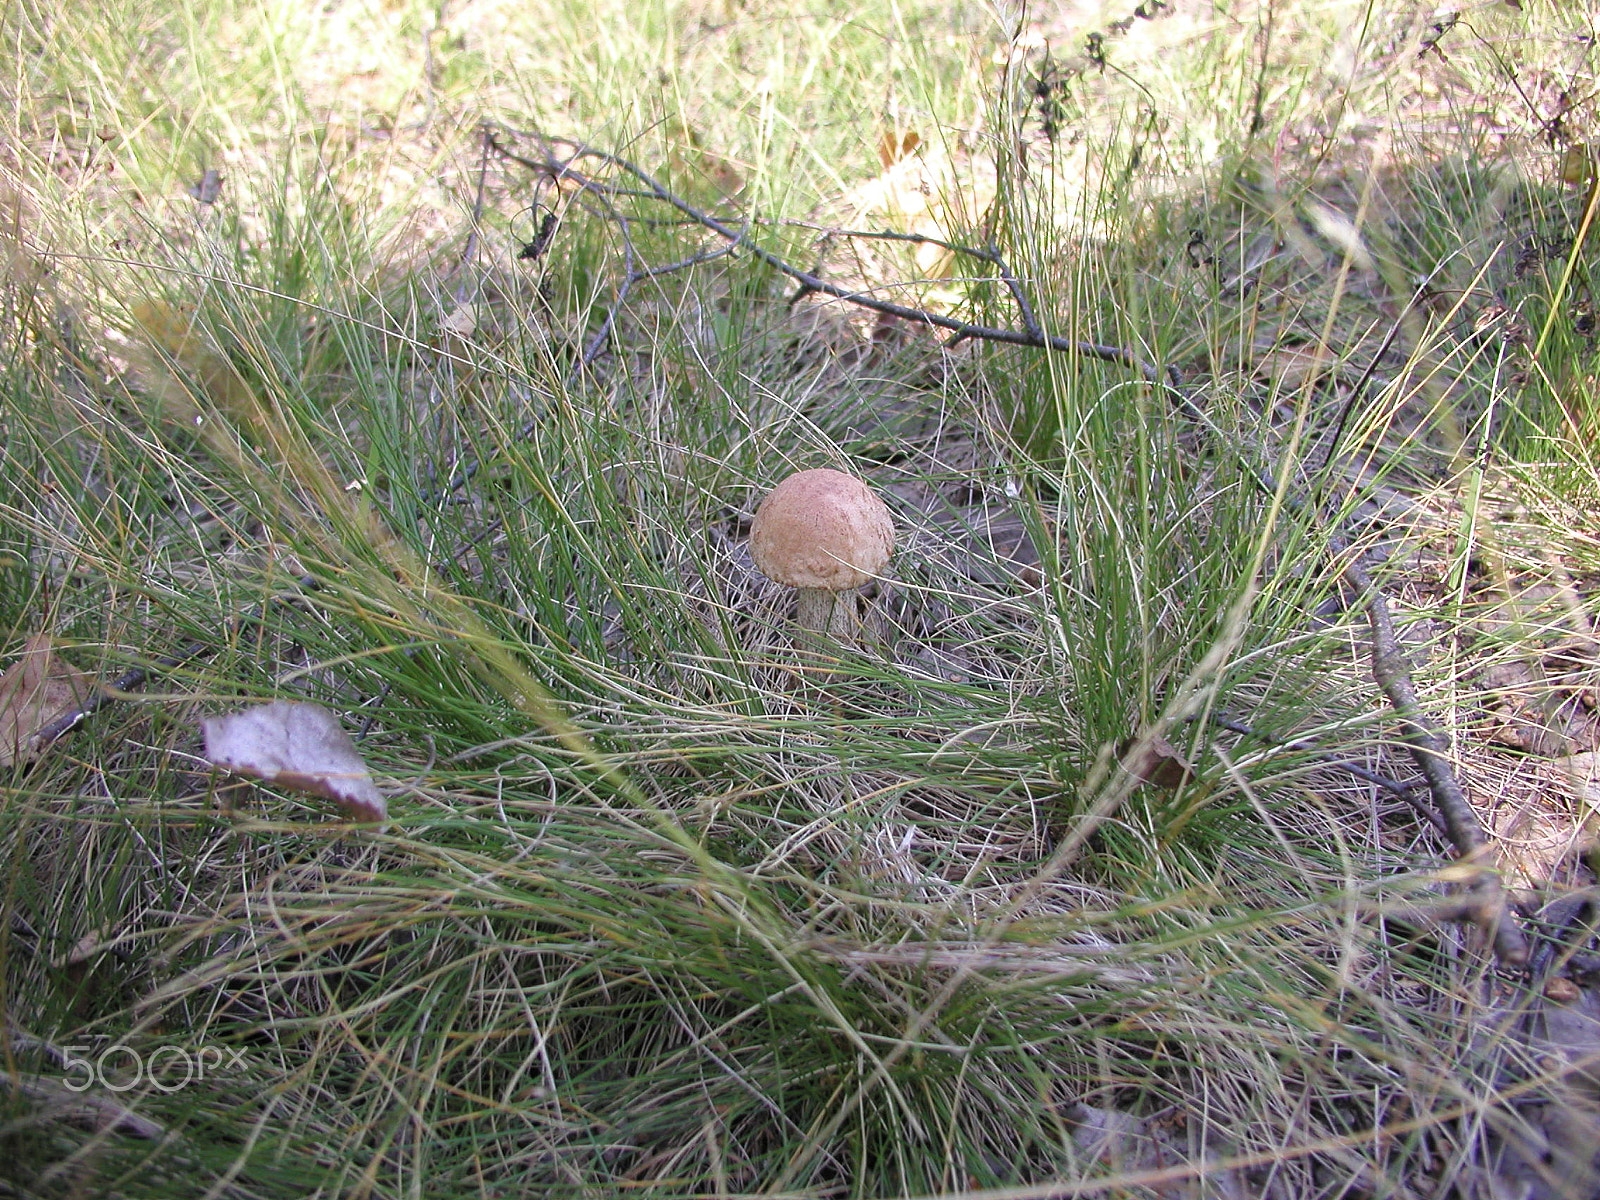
825, 533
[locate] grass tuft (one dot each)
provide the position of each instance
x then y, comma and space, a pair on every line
1061, 882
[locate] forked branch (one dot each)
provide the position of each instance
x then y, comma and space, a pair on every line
566, 169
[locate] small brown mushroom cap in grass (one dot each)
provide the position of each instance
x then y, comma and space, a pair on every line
824, 533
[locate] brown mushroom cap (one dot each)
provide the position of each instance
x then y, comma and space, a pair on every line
821, 529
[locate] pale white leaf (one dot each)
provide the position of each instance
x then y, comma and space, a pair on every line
461, 321
296, 746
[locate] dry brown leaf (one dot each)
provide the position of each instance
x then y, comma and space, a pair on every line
1160, 763
34, 691
297, 746
895, 145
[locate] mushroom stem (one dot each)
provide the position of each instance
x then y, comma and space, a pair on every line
820, 610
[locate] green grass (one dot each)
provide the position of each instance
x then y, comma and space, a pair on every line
666, 906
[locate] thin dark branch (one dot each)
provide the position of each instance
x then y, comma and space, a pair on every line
468, 288
135, 678
564, 170
1401, 791
989, 254
130, 680
1030, 322
1359, 389
881, 235
694, 260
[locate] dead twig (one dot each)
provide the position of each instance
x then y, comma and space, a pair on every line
1401, 791
1392, 672
468, 289
135, 678
565, 170
77, 1106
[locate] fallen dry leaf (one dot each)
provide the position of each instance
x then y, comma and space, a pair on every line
34, 691
297, 746
895, 145
1160, 763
